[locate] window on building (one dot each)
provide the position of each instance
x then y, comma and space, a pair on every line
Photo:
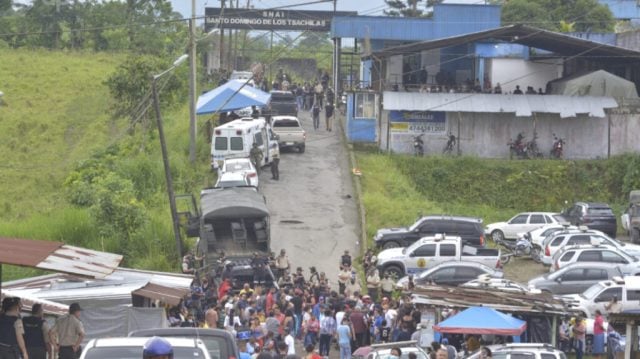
365, 105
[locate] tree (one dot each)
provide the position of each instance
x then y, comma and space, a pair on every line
315, 40
555, 15
5, 5
408, 8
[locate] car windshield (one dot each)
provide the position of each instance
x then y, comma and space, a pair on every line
237, 166
592, 291
600, 211
559, 218
286, 123
125, 352
227, 184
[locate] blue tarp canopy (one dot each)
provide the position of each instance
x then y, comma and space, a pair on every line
481, 320
231, 96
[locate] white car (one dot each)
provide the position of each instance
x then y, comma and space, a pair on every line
595, 253
626, 290
522, 222
500, 284
232, 179
538, 235
241, 165
131, 348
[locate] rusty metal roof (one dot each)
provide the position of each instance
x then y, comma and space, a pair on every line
49, 307
168, 295
57, 257
500, 300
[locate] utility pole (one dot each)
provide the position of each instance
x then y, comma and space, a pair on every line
221, 33
193, 128
336, 61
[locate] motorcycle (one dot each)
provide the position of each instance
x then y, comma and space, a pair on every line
521, 248
418, 145
518, 147
448, 149
557, 148
532, 147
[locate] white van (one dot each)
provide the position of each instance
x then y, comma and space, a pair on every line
236, 138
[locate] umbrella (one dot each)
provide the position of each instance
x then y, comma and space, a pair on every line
482, 320
231, 96
362, 351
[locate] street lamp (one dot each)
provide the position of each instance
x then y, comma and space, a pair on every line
165, 156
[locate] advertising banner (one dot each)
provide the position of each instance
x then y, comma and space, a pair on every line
429, 122
265, 19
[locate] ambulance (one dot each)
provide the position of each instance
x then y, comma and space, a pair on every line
236, 138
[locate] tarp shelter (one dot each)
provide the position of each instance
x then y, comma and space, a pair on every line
232, 203
597, 83
233, 95
481, 320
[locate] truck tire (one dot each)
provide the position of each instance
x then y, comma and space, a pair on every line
635, 235
301, 148
393, 271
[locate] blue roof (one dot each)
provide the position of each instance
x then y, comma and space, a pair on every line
482, 320
448, 20
233, 95
623, 9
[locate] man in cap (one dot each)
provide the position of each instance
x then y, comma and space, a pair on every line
67, 334
11, 330
36, 334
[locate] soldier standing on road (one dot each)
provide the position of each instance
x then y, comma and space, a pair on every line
328, 115
315, 114
11, 330
70, 333
256, 156
36, 334
275, 172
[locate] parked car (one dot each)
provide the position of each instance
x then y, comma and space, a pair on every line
429, 251
626, 290
575, 278
451, 273
499, 284
219, 343
522, 222
131, 348
289, 132
241, 165
232, 179
582, 236
283, 103
538, 235
382, 351
593, 215
467, 228
595, 253
523, 350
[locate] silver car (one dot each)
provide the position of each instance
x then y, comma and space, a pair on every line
575, 278
523, 350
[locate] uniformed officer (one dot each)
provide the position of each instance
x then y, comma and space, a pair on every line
256, 156
36, 334
70, 333
157, 348
11, 330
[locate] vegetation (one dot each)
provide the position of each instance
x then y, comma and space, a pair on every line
559, 15
397, 188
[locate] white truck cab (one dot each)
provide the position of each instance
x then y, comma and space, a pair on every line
236, 138
625, 289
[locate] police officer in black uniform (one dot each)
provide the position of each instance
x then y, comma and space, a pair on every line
11, 330
36, 334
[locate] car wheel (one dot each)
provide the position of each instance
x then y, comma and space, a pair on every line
505, 258
390, 244
394, 271
497, 235
301, 148
536, 253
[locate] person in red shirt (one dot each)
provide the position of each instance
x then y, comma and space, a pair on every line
224, 288
598, 335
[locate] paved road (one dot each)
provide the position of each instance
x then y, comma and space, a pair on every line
313, 210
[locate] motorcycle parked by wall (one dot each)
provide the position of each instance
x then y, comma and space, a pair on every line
451, 143
557, 150
532, 147
520, 248
418, 145
518, 148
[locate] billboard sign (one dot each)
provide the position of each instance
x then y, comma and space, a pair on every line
265, 19
429, 122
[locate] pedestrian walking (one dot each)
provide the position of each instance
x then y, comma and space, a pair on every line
328, 115
67, 334
327, 332
315, 114
345, 336
275, 162
36, 334
12, 343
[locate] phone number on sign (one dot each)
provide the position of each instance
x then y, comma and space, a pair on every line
427, 127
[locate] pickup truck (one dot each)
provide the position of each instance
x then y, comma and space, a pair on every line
289, 132
429, 251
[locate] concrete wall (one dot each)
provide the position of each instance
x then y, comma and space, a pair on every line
486, 134
512, 72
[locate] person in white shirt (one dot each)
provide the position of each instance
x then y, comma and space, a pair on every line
288, 339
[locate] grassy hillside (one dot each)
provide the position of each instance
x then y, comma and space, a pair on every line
72, 173
397, 188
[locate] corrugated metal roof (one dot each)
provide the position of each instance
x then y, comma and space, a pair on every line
49, 307
57, 257
558, 43
521, 105
168, 295
500, 300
